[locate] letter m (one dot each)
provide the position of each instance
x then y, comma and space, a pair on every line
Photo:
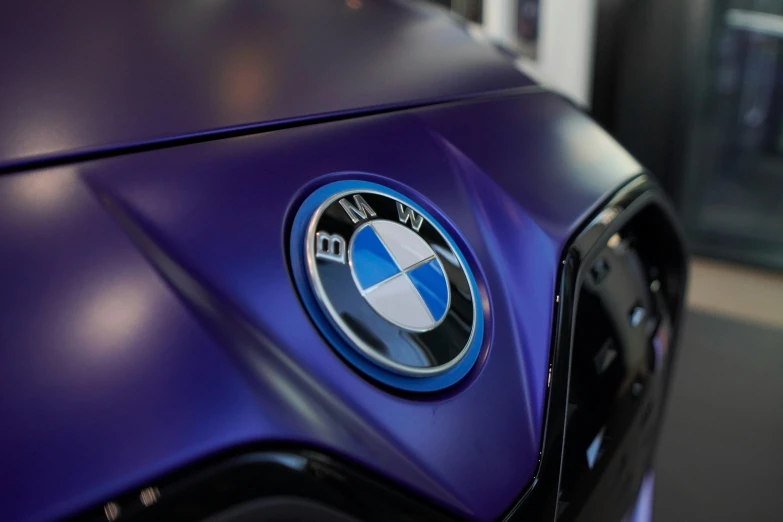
359, 210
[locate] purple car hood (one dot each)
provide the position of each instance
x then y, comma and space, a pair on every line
94, 75
148, 319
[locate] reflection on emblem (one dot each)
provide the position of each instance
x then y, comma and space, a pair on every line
390, 282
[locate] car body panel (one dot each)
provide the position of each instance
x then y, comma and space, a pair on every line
149, 319
97, 75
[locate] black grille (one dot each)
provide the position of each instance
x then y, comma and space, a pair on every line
621, 334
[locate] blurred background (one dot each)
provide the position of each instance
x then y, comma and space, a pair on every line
694, 89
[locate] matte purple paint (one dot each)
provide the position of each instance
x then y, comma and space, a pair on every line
94, 74
116, 367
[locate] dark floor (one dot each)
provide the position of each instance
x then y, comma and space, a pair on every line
721, 451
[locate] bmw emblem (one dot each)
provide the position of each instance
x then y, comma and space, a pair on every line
387, 285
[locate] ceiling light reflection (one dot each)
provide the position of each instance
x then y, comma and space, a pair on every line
49, 126
115, 313
43, 192
244, 83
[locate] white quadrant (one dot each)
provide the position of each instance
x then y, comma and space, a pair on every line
407, 247
397, 301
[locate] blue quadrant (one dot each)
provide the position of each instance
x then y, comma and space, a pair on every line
432, 284
372, 263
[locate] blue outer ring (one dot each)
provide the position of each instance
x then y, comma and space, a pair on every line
333, 333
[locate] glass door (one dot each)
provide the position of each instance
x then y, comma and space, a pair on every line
733, 198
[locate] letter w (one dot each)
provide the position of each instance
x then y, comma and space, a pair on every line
405, 214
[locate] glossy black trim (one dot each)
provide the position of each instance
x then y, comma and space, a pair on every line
226, 481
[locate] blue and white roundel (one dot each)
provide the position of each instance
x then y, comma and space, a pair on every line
387, 285
399, 274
